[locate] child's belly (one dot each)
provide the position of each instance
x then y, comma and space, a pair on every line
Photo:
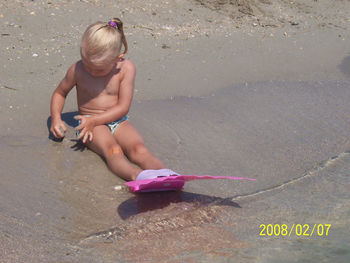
96, 105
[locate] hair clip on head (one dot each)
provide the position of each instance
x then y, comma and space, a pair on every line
112, 24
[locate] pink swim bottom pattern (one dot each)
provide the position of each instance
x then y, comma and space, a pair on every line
171, 183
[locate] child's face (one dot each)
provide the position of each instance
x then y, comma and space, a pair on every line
98, 69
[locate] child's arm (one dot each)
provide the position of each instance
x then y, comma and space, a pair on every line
58, 128
126, 92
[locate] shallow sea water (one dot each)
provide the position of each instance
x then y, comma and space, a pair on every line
291, 137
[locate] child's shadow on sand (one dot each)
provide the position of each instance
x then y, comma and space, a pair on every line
68, 118
141, 203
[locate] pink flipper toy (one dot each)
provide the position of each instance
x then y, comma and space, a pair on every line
172, 182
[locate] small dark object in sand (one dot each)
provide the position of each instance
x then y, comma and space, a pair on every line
6, 87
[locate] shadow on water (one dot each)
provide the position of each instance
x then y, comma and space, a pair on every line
345, 66
68, 118
145, 202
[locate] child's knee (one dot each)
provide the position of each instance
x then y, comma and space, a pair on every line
114, 150
139, 149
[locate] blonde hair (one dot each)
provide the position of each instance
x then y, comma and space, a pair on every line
102, 41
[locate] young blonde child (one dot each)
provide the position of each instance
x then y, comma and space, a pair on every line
104, 82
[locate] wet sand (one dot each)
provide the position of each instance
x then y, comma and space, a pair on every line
258, 90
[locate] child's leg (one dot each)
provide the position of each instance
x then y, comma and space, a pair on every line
133, 146
104, 144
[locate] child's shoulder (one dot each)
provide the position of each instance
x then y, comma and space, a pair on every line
127, 65
72, 71
75, 66
127, 69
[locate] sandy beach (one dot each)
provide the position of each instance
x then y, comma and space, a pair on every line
251, 88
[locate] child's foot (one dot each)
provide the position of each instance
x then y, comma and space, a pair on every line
151, 174
156, 180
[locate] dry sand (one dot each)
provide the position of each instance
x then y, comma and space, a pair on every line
255, 88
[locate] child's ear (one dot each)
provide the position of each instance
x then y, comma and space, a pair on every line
120, 57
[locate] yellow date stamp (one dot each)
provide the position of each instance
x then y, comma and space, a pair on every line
300, 230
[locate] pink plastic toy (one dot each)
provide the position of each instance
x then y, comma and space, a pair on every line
171, 183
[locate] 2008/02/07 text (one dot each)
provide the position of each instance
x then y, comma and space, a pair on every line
305, 230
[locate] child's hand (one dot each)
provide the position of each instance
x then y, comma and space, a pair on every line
58, 128
85, 128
